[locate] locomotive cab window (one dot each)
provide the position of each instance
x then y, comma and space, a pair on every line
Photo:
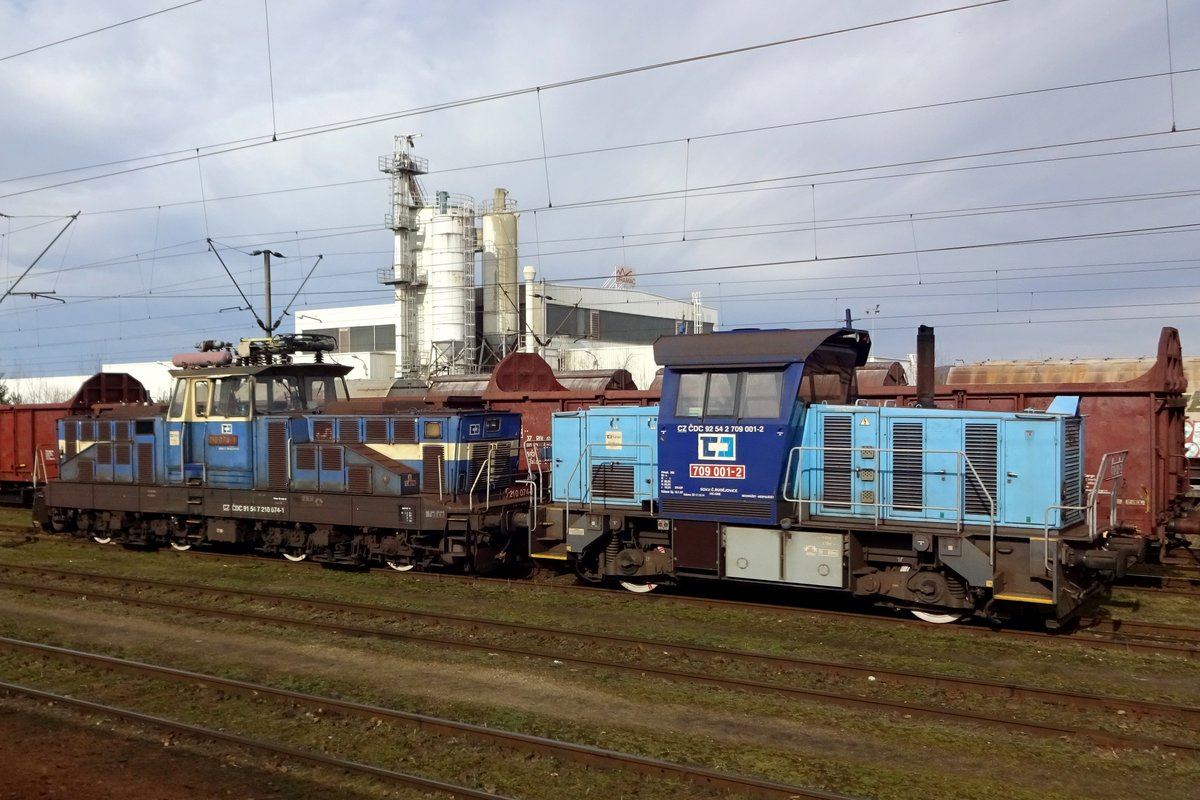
200, 397
754, 394
178, 400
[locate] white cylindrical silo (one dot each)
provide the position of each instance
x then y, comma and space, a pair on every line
447, 259
501, 298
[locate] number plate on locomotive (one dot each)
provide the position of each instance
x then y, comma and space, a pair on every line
732, 471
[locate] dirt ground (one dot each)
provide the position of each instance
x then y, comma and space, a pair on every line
46, 758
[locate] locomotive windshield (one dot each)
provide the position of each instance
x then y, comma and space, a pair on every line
740, 394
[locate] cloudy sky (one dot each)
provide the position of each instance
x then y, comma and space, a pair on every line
1022, 175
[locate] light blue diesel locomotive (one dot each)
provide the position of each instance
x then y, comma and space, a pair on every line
756, 468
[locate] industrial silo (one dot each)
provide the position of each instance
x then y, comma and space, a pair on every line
501, 299
447, 261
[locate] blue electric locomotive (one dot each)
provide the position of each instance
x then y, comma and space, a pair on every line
246, 453
759, 470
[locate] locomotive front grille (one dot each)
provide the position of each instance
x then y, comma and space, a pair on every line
613, 480
835, 477
718, 508
983, 444
908, 469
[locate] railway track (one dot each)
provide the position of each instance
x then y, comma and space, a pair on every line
632, 658
1097, 631
581, 754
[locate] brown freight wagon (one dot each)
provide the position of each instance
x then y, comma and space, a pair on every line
29, 437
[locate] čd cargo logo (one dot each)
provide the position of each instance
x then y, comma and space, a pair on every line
717, 447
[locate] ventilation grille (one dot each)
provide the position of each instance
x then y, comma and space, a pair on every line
145, 462
87, 470
349, 430
432, 458
70, 439
908, 466
331, 459
377, 431
277, 454
1072, 494
405, 431
982, 452
359, 479
306, 457
612, 480
719, 508
124, 453
323, 429
121, 431
87, 431
835, 478
104, 453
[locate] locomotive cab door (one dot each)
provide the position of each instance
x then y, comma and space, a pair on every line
186, 429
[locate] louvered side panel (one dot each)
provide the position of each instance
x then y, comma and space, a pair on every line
405, 430
70, 439
1072, 492
145, 462
277, 454
359, 479
87, 470
349, 430
331, 458
323, 430
104, 453
432, 459
377, 431
121, 431
123, 454
836, 475
306, 456
908, 466
613, 480
982, 448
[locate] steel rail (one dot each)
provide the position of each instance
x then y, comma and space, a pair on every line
584, 754
1059, 697
815, 695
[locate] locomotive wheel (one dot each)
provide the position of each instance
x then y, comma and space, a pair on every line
296, 557
101, 538
638, 588
400, 566
939, 619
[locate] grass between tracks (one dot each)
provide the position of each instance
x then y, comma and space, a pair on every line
856, 753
